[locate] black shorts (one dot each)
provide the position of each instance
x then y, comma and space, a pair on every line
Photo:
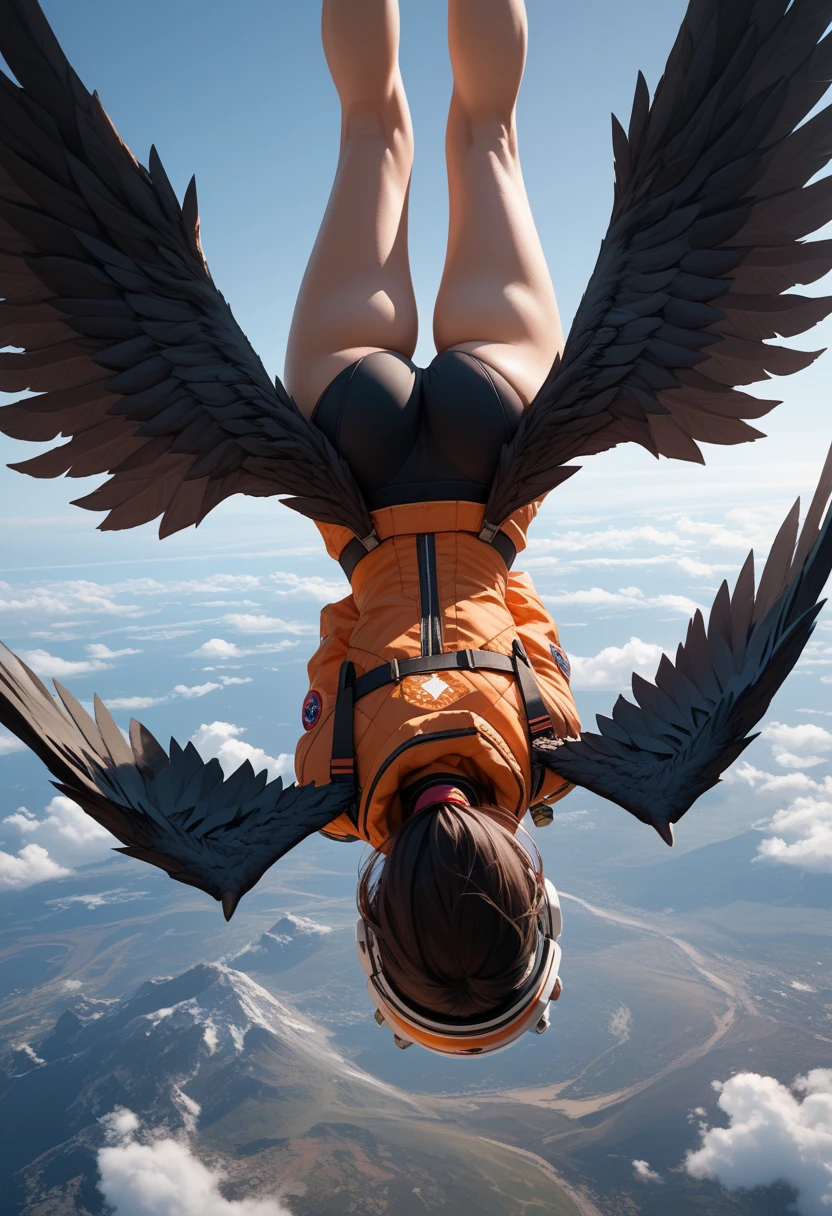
413, 434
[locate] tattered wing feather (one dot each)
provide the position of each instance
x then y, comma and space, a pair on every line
656, 757
134, 352
711, 208
174, 811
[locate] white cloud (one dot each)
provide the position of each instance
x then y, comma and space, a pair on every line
697, 569
801, 833
747, 528
802, 746
218, 648
226, 604
247, 622
97, 650
134, 702
643, 1173
66, 599
155, 634
613, 666
47, 665
187, 692
163, 1177
9, 744
625, 597
688, 565
774, 1135
621, 1023
610, 538
776, 783
196, 690
213, 584
790, 760
98, 899
801, 836
64, 835
310, 587
31, 865
222, 739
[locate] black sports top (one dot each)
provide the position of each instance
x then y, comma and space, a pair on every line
413, 434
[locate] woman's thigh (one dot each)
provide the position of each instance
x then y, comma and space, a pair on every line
357, 296
496, 299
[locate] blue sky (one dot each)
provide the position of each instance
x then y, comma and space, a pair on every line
240, 96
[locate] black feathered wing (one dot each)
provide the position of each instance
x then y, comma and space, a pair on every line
134, 352
174, 811
656, 757
711, 205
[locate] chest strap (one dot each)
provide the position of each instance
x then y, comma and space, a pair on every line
456, 660
356, 550
350, 690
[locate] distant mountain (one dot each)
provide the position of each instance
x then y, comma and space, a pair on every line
717, 875
213, 1058
290, 941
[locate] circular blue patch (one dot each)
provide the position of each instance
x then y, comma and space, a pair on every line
562, 661
312, 705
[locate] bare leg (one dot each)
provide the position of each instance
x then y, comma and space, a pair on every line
357, 296
496, 299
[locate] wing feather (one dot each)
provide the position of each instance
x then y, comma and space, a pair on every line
123, 335
656, 757
172, 810
713, 199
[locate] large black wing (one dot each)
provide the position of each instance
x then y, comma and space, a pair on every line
176, 811
711, 205
135, 353
655, 758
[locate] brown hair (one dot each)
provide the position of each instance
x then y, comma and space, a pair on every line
452, 901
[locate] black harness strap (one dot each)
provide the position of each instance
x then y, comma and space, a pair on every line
537, 715
505, 547
456, 660
351, 555
342, 760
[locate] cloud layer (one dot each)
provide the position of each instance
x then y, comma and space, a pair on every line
613, 666
163, 1177
775, 1134
63, 837
801, 836
802, 746
31, 865
222, 740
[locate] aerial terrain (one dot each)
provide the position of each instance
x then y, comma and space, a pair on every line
250, 1047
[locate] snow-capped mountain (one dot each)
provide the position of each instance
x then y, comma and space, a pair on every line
292, 940
185, 1052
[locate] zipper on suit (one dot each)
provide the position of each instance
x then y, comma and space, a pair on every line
431, 622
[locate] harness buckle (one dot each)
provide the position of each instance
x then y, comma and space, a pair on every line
466, 660
370, 541
395, 674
